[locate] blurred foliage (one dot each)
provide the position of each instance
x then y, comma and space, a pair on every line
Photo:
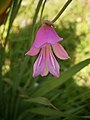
44, 98
4, 5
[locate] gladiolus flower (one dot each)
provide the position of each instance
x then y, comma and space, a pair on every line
47, 42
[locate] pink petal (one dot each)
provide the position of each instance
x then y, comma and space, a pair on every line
33, 51
60, 52
46, 35
53, 65
39, 64
45, 72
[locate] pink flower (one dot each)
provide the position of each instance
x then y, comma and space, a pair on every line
46, 40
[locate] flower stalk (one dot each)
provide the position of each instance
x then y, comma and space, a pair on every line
61, 11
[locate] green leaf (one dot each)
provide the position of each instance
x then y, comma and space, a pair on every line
41, 111
41, 100
46, 111
85, 117
51, 84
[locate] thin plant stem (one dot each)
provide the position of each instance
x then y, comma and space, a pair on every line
61, 11
34, 19
43, 6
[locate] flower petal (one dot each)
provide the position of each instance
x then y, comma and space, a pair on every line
60, 52
45, 72
33, 51
46, 35
53, 65
39, 64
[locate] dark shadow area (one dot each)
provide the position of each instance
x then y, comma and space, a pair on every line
70, 99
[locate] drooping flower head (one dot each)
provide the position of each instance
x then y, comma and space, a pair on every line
47, 42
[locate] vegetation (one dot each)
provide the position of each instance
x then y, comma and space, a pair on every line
44, 98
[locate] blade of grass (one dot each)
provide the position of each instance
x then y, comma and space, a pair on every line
17, 82
45, 111
41, 100
14, 11
1, 82
82, 96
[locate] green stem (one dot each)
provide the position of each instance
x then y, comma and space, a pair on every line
34, 19
61, 11
43, 6
1, 81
